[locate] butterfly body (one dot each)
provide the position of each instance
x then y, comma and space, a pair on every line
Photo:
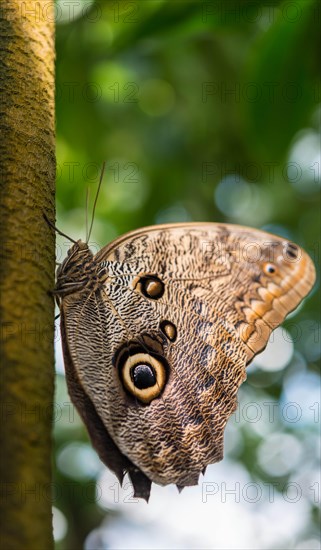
157, 330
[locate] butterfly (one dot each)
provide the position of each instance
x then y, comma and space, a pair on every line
157, 330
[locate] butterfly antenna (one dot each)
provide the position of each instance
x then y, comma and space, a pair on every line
96, 198
58, 230
87, 201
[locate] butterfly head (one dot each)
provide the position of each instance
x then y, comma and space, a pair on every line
76, 271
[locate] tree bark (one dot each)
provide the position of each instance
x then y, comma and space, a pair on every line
26, 271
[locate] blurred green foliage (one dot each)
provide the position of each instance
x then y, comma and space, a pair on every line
203, 111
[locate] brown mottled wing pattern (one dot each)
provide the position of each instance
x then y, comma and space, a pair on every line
220, 290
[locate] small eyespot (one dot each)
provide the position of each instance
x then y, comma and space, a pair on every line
169, 330
269, 269
151, 286
291, 251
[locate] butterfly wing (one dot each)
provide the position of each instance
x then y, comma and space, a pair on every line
158, 350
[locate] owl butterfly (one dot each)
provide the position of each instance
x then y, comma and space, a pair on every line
157, 329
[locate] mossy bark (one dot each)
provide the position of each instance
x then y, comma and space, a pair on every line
26, 270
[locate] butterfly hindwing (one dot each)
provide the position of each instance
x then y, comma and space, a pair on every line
160, 331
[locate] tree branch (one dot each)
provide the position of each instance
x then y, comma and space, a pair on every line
27, 267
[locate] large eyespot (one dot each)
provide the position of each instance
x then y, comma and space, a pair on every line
150, 286
143, 375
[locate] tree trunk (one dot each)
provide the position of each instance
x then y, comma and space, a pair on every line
27, 267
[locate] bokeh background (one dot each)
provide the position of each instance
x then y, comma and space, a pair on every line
203, 111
